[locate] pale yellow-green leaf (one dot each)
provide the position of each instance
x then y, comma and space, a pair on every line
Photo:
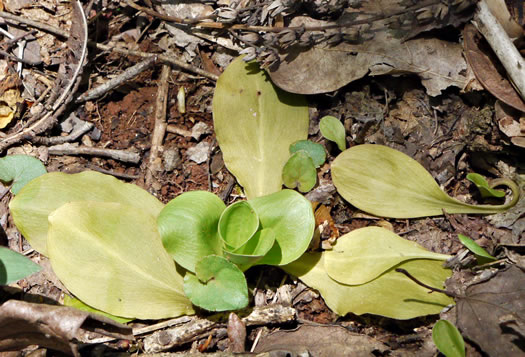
111, 257
392, 294
364, 254
255, 124
385, 182
41, 196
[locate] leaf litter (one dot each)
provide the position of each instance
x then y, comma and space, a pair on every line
450, 136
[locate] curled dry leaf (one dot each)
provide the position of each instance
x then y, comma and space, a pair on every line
485, 66
55, 327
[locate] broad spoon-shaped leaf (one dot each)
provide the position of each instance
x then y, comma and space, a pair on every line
188, 225
46, 193
111, 257
391, 294
255, 124
364, 254
385, 182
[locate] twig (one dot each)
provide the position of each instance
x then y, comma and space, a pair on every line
128, 74
176, 130
503, 47
160, 123
162, 58
120, 155
77, 132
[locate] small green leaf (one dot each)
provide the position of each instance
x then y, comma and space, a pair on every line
448, 340
77, 304
291, 217
110, 256
315, 150
484, 187
475, 248
392, 294
300, 172
33, 204
217, 286
333, 130
238, 223
20, 169
255, 123
365, 253
385, 182
14, 266
188, 226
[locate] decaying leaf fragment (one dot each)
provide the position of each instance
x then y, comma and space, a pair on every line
55, 327
492, 313
375, 48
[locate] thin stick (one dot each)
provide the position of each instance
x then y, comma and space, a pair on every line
160, 123
120, 155
162, 58
128, 74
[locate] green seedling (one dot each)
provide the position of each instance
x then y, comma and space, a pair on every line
480, 253
333, 130
447, 339
300, 169
14, 266
19, 170
385, 182
359, 275
300, 172
314, 150
255, 124
483, 186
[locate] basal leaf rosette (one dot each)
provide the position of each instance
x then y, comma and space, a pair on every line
274, 229
197, 224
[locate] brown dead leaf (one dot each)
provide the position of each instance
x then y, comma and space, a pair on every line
236, 333
320, 341
10, 99
55, 327
323, 217
485, 66
492, 313
380, 48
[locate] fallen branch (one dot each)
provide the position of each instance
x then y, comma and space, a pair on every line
120, 155
128, 74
